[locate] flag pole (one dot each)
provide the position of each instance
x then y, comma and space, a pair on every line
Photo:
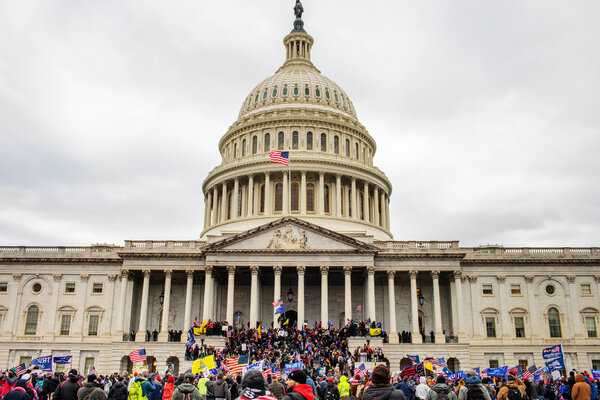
289, 185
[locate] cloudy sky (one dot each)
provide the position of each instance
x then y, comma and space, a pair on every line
486, 113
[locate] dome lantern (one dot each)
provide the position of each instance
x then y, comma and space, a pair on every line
298, 43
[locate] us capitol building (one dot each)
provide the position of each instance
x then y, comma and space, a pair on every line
317, 236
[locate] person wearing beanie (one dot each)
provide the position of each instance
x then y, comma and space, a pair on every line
441, 391
91, 390
254, 387
298, 389
68, 389
581, 389
381, 389
187, 390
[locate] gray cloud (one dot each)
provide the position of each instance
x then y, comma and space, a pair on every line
485, 114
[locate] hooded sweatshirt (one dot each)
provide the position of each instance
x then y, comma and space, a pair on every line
303, 390
581, 390
422, 389
440, 390
186, 388
383, 392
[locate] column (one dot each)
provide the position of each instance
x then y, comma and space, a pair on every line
276, 289
459, 305
476, 312
414, 309
208, 298
392, 328
230, 292
187, 317
250, 195
353, 210
143, 325
324, 296
347, 293
163, 336
215, 204
267, 193
235, 199
253, 296
224, 202
505, 322
244, 201
84, 294
303, 193
576, 323
366, 202
371, 293
301, 270
16, 310
286, 194
55, 295
321, 193
383, 210
387, 212
533, 316
338, 196
376, 220
207, 209
437, 309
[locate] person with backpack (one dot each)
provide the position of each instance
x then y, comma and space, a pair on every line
513, 390
118, 391
381, 389
91, 390
67, 390
218, 389
331, 391
253, 387
441, 391
187, 390
202, 386
344, 388
473, 388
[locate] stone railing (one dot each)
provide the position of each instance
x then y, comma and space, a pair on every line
417, 245
164, 244
548, 252
56, 251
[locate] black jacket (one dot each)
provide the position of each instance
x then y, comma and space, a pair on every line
67, 390
118, 391
382, 392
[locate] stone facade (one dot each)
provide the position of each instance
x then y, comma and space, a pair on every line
317, 236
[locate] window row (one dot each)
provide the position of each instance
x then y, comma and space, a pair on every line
66, 317
326, 144
68, 288
487, 289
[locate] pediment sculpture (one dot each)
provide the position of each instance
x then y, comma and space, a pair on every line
288, 239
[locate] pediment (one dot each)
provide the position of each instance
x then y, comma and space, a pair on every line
291, 235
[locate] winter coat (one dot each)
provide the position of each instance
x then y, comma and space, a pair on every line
135, 390
441, 389
581, 390
344, 387
118, 391
382, 392
68, 389
168, 391
277, 390
91, 391
503, 392
300, 390
185, 389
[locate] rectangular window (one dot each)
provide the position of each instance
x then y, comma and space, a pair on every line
97, 288
586, 289
490, 327
25, 360
3, 287
590, 326
520, 327
488, 289
65, 325
494, 364
523, 364
515, 290
69, 287
93, 326
89, 364
595, 365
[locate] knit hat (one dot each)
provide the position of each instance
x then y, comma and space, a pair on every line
380, 375
298, 376
253, 379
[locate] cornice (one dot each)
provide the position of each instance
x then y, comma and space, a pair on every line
61, 260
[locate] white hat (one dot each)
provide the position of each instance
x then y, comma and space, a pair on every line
25, 377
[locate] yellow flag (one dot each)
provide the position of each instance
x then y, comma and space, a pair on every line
208, 362
197, 366
197, 331
375, 331
428, 366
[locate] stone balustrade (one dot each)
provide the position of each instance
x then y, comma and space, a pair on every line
417, 245
542, 252
164, 244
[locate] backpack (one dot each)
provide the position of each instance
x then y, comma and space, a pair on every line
187, 396
475, 392
514, 394
220, 390
331, 394
442, 395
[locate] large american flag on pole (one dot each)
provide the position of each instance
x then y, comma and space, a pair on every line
280, 157
19, 369
138, 356
233, 365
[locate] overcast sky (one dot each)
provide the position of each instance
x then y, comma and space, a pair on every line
486, 113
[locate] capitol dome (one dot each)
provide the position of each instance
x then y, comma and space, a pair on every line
330, 180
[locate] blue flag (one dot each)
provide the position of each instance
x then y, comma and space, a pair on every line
498, 372
44, 363
191, 339
62, 360
280, 309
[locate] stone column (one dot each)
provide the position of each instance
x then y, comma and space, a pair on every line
321, 193
55, 295
301, 270
353, 209
253, 296
250, 195
338, 196
371, 293
382, 216
437, 309
576, 322
164, 322
387, 212
187, 317
459, 305
366, 202
230, 293
533, 315
476, 312
215, 204
143, 325
303, 193
207, 209
16, 311
324, 296
224, 202
208, 297
347, 293
392, 328
414, 307
235, 199
505, 322
267, 193
376, 206
286, 194
276, 289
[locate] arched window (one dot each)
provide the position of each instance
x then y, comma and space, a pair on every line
295, 140
296, 90
359, 205
280, 140
274, 94
336, 144
295, 199
356, 150
234, 150
323, 142
31, 320
364, 154
318, 92
254, 144
306, 90
554, 323
278, 196
309, 141
285, 90
310, 197
348, 148
262, 199
267, 143
244, 148
229, 205
327, 206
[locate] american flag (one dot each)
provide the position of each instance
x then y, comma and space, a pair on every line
138, 356
267, 372
276, 373
234, 366
280, 157
20, 369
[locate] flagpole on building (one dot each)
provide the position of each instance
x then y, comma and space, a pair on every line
289, 184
